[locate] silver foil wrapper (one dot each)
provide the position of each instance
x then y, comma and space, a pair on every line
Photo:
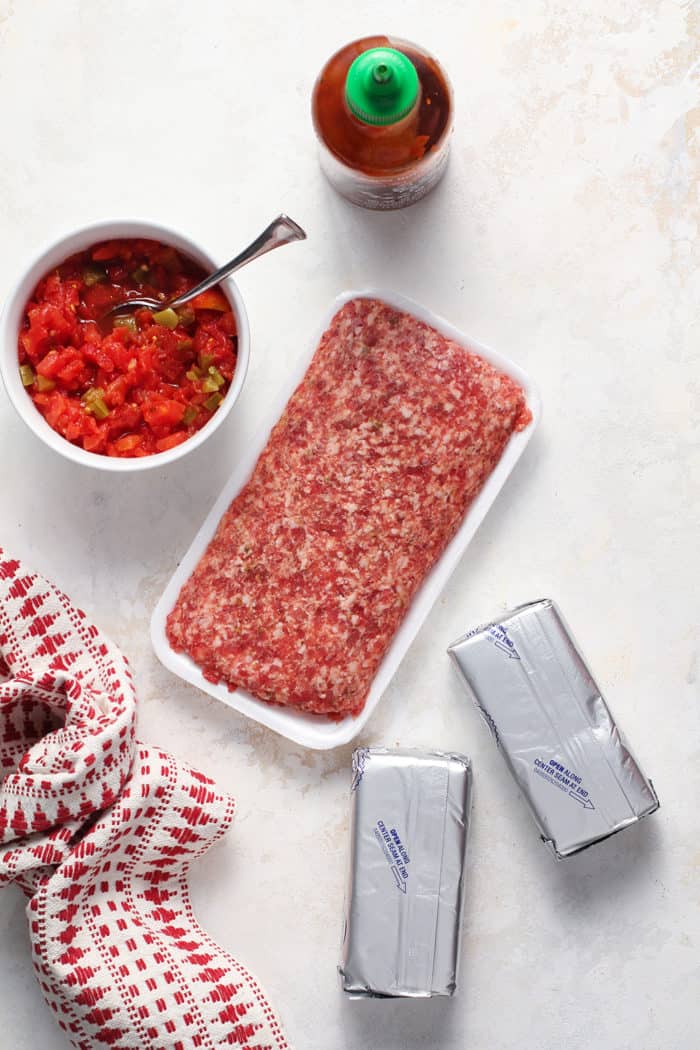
553, 727
403, 907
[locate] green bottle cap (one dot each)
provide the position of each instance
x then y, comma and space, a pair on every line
381, 86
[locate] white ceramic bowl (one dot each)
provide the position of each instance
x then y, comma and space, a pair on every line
11, 320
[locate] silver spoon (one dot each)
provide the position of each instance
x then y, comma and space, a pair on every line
281, 230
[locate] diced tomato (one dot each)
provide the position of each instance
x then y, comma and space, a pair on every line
120, 352
96, 353
71, 372
163, 413
95, 442
211, 341
123, 420
56, 405
50, 365
98, 299
211, 300
64, 294
48, 326
116, 391
127, 443
226, 323
168, 258
110, 250
163, 444
138, 371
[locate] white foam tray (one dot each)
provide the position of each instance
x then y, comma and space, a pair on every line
315, 731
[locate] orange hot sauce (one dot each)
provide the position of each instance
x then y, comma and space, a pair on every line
382, 110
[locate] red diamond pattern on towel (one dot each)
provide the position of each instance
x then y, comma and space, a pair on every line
99, 832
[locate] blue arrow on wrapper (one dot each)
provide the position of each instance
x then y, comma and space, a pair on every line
585, 802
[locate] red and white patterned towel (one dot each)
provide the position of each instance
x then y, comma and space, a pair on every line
99, 832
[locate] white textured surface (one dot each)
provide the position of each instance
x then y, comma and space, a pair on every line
565, 234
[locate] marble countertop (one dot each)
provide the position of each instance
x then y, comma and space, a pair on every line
565, 235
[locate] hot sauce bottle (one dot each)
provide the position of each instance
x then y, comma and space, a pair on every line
382, 111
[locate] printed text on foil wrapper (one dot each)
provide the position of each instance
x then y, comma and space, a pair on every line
395, 853
563, 778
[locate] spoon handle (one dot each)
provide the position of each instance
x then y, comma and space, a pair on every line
281, 230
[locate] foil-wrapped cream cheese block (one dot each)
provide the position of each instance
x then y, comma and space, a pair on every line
409, 820
553, 727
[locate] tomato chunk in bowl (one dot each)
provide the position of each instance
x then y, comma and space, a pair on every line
145, 382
